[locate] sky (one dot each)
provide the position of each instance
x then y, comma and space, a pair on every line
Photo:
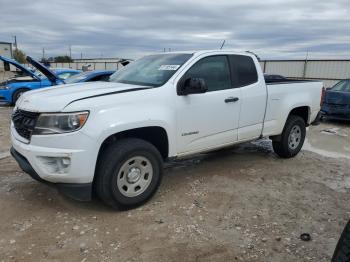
285, 29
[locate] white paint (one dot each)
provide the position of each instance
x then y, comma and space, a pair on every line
206, 119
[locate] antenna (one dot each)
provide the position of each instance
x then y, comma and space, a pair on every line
222, 45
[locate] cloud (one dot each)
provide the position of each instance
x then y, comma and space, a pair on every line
271, 28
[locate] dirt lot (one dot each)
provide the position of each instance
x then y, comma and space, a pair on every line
239, 204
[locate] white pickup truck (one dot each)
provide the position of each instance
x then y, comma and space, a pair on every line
113, 137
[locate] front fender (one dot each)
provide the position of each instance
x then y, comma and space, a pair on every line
5, 95
106, 122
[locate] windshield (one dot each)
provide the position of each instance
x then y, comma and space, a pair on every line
77, 78
153, 70
342, 86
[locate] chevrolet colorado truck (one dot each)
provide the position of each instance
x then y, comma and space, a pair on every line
113, 137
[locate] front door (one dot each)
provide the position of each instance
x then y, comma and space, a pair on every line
208, 120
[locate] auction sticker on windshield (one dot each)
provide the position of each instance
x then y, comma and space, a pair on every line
168, 67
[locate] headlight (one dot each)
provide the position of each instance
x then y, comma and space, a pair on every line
60, 123
4, 87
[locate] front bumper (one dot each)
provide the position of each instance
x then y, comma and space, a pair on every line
80, 192
45, 151
66, 160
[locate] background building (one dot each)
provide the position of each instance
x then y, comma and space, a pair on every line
5, 50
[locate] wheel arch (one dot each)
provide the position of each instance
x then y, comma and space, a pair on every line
22, 88
302, 111
155, 135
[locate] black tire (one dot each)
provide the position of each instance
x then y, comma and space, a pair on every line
17, 94
342, 250
282, 146
115, 157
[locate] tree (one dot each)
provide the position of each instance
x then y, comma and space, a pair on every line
19, 56
63, 59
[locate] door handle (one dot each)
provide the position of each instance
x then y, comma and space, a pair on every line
231, 99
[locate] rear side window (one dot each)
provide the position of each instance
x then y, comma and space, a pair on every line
243, 70
343, 86
214, 70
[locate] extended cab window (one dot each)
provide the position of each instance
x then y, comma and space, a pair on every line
243, 70
214, 70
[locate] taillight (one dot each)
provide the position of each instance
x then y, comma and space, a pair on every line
323, 94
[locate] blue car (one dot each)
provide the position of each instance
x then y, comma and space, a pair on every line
90, 76
28, 79
336, 103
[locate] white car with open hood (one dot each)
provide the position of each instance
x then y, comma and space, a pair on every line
112, 138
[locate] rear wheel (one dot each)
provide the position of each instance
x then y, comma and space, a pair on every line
291, 139
129, 173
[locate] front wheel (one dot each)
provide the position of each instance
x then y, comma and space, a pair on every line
17, 95
128, 173
292, 138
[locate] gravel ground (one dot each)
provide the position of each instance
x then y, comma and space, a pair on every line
237, 204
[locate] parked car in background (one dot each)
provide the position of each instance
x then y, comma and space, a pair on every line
65, 73
112, 137
28, 79
336, 103
90, 76
274, 78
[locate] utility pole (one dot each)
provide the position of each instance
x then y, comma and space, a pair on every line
70, 51
81, 55
43, 54
305, 63
15, 44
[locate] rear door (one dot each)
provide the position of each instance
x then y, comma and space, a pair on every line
253, 93
208, 120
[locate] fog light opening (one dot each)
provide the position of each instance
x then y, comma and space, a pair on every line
56, 165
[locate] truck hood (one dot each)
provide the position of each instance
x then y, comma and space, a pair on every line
337, 97
55, 99
19, 66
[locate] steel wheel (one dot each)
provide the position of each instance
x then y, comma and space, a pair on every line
294, 137
134, 176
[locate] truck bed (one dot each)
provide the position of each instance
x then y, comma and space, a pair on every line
287, 81
286, 95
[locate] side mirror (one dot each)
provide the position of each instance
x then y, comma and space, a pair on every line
191, 86
328, 88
